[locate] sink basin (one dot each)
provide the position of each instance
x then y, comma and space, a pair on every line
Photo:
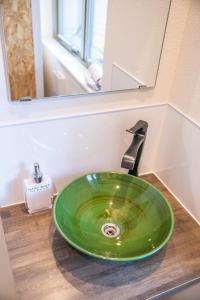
113, 216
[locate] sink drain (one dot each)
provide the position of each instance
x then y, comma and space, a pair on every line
110, 230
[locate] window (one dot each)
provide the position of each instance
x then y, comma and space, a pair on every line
81, 28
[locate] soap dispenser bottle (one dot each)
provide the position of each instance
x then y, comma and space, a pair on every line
38, 191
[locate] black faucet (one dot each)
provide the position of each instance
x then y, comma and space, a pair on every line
132, 156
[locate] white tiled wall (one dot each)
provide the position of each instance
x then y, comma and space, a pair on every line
178, 159
68, 148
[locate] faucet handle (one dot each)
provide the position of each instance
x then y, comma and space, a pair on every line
139, 128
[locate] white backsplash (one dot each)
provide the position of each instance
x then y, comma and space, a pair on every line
178, 159
71, 147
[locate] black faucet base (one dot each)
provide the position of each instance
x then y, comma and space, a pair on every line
132, 172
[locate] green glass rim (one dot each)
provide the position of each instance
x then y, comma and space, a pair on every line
117, 259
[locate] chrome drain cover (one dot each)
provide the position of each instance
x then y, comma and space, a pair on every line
110, 230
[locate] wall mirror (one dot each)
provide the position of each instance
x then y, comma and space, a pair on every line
64, 47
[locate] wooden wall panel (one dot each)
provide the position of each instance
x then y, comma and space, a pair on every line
17, 21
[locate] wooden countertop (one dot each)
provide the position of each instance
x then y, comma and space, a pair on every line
45, 267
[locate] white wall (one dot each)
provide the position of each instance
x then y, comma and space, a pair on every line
185, 91
70, 147
178, 162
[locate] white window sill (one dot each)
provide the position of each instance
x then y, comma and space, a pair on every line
72, 65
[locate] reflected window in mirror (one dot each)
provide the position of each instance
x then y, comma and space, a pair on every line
80, 28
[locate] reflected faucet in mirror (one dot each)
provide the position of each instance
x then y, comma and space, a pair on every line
65, 47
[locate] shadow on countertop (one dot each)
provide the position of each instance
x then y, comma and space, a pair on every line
82, 270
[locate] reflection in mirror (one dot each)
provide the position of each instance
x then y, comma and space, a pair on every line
63, 47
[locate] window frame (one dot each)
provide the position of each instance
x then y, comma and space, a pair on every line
87, 25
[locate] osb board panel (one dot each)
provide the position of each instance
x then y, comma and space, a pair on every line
17, 22
45, 267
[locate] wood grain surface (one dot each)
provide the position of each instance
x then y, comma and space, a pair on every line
17, 25
45, 267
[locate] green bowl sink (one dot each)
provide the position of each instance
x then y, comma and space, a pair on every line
113, 216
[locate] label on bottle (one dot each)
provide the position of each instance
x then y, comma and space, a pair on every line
39, 187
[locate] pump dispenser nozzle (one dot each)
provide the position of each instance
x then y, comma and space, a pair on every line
37, 174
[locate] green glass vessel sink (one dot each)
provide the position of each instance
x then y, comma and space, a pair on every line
113, 216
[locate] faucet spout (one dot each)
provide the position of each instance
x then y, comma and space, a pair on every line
132, 156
